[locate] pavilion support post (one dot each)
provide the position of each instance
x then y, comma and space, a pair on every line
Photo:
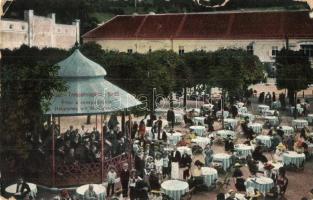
102, 151
53, 152
96, 122
123, 123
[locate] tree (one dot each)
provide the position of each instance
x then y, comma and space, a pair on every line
28, 81
294, 72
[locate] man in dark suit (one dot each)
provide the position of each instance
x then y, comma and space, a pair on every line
159, 127
171, 117
185, 164
22, 189
124, 174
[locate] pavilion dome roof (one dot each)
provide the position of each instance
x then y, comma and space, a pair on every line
78, 65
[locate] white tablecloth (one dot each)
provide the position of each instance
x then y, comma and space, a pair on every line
224, 158
270, 112
288, 130
276, 165
243, 150
12, 189
272, 119
243, 110
201, 141
99, 189
209, 174
310, 118
173, 138
239, 196
232, 122
225, 133
299, 109
299, 123
276, 105
239, 104
219, 113
263, 184
262, 108
175, 188
183, 149
256, 127
208, 106
198, 120
179, 118
249, 115
292, 157
199, 130
265, 139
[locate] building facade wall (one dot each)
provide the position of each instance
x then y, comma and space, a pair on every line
37, 31
261, 48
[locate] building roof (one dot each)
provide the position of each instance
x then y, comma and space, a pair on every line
214, 25
77, 65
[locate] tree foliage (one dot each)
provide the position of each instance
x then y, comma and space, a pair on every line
294, 71
28, 80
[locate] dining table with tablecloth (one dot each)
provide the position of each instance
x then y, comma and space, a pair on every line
263, 184
250, 116
232, 122
219, 114
224, 158
174, 138
273, 120
225, 133
262, 108
243, 150
201, 141
288, 130
299, 123
11, 189
198, 130
264, 139
175, 189
293, 158
209, 175
98, 188
199, 121
256, 127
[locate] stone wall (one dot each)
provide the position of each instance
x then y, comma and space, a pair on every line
37, 31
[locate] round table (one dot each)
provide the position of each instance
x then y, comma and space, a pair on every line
250, 116
99, 190
299, 110
288, 130
276, 105
272, 119
201, 141
209, 174
270, 112
179, 118
264, 139
263, 184
173, 138
232, 122
242, 110
225, 133
239, 196
293, 158
224, 158
208, 106
276, 165
219, 113
199, 120
243, 150
309, 118
12, 189
299, 123
262, 108
199, 130
174, 188
182, 149
256, 127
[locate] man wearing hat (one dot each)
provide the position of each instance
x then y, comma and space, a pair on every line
124, 174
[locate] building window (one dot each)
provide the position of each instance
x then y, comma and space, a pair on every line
250, 49
181, 50
23, 27
11, 26
307, 50
274, 51
129, 51
150, 50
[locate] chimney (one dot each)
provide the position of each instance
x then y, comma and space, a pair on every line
52, 16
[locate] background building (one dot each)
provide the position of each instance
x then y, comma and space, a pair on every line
37, 31
262, 33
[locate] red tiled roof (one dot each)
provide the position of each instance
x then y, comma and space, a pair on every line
227, 25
